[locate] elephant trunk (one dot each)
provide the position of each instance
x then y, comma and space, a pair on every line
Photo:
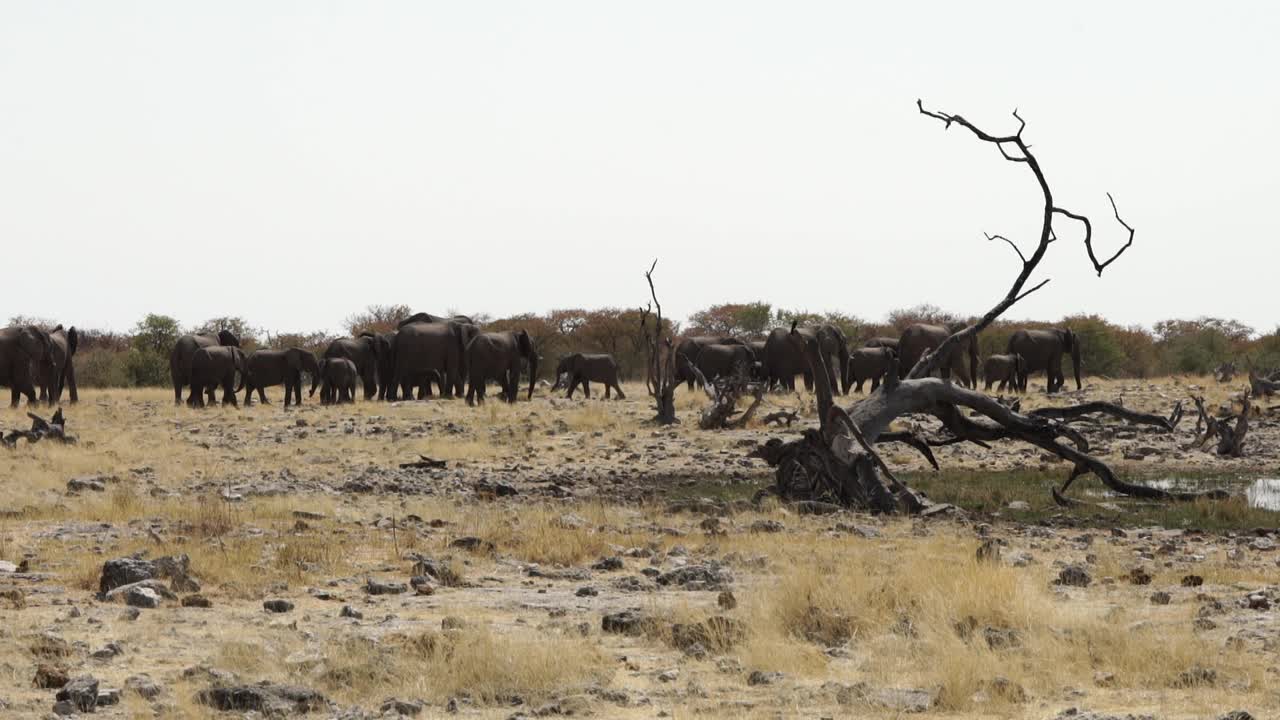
1075, 360
315, 377
239, 363
533, 372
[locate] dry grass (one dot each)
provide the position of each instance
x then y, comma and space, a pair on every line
919, 613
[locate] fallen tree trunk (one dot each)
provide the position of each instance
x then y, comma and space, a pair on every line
1106, 408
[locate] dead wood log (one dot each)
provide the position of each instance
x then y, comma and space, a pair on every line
781, 416
1261, 386
1075, 411
826, 460
724, 393
425, 463
54, 430
1230, 436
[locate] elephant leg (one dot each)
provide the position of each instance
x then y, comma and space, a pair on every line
808, 382
617, 390
262, 393
607, 389
229, 393
13, 396
177, 391
586, 388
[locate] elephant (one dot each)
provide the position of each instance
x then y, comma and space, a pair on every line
337, 380
498, 356
279, 367
724, 360
361, 350
585, 368
691, 347
1043, 350
469, 330
918, 339
889, 342
60, 372
783, 359
185, 349
21, 346
422, 348
1008, 369
384, 364
869, 363
216, 366
429, 318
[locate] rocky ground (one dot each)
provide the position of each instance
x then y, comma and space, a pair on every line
569, 559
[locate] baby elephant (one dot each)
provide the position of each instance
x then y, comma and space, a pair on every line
1008, 369
214, 367
337, 381
584, 368
869, 363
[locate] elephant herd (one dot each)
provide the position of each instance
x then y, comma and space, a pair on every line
33, 359
452, 354
777, 361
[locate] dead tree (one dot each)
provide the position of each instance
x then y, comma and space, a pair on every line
662, 358
1230, 431
1259, 385
1168, 424
840, 455
724, 393
1225, 372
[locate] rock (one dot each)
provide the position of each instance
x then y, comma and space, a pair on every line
92, 483
112, 649
626, 622
277, 606
130, 614
82, 693
452, 622
421, 586
1258, 601
1192, 581
726, 600
697, 577
472, 544
350, 612
403, 708
124, 571
1160, 597
767, 526
1009, 690
1073, 576
142, 597
669, 675
264, 697
988, 552
587, 591
64, 708
1236, 715
1263, 545
1000, 638
608, 564
758, 677
143, 686
441, 572
49, 677
108, 696
196, 601
1019, 506
1139, 576
373, 587
905, 700
154, 586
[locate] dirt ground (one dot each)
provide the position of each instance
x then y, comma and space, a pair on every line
571, 559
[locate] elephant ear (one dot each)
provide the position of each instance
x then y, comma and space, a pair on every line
226, 337
73, 340
524, 343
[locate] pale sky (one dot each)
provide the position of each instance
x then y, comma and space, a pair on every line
294, 162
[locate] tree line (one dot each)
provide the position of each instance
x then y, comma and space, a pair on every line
140, 357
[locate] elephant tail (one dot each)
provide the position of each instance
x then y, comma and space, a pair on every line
243, 366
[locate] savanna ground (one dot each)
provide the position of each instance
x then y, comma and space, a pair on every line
570, 511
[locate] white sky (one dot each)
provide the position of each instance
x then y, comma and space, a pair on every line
294, 162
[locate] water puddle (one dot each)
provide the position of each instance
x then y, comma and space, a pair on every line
1264, 493
1260, 493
